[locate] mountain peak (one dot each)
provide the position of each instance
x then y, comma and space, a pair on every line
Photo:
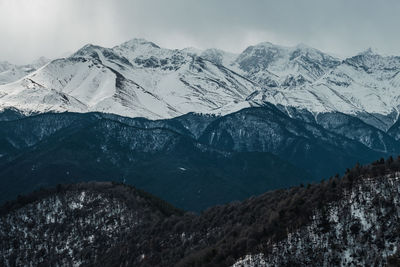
264, 50
369, 52
86, 50
303, 46
88, 46
5, 63
192, 50
219, 56
135, 42
306, 48
266, 44
299, 48
41, 61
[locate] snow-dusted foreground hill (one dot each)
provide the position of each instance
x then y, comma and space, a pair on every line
340, 222
73, 225
358, 230
140, 79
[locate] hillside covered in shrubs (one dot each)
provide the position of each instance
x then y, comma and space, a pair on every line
349, 220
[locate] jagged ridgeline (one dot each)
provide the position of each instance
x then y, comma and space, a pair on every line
161, 157
193, 161
140, 79
353, 220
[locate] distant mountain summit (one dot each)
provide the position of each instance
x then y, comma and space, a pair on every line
140, 79
282, 63
11, 73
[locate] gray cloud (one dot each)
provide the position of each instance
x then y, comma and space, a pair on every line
31, 28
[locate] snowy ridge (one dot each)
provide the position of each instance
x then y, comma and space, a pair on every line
278, 66
362, 83
365, 84
135, 79
11, 73
140, 79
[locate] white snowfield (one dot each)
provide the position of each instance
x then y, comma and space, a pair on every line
365, 83
140, 79
10, 73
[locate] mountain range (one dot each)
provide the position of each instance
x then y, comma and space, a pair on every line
140, 79
241, 156
217, 126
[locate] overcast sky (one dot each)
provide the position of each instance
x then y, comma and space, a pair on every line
31, 28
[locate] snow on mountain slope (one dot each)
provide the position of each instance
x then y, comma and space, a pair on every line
366, 83
10, 73
4, 65
185, 81
278, 66
219, 56
365, 86
137, 78
353, 231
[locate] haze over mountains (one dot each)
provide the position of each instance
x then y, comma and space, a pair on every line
10, 72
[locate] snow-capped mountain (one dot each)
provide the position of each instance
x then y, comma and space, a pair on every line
10, 72
134, 79
140, 79
287, 67
366, 85
219, 56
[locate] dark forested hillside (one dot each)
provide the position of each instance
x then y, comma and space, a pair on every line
49, 149
321, 151
10, 114
203, 160
349, 220
73, 225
